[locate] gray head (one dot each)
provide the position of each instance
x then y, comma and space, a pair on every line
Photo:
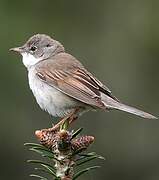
38, 47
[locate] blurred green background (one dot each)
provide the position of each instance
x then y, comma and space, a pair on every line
116, 40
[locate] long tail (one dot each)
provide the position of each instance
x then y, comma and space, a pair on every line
113, 104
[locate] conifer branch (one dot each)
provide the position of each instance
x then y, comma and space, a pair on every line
65, 151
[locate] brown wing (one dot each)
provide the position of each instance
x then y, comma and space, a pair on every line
76, 83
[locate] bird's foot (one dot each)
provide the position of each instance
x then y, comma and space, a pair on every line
70, 118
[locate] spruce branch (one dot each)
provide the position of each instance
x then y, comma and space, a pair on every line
65, 151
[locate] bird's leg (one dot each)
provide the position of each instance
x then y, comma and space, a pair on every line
70, 118
74, 115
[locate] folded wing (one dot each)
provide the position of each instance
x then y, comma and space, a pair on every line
76, 83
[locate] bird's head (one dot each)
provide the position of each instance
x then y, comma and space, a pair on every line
38, 47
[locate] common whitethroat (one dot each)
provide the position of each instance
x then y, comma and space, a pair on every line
61, 84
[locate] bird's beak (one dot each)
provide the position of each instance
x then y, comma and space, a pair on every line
17, 49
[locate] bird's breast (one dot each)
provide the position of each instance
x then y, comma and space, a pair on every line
49, 98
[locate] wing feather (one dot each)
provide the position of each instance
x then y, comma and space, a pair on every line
76, 83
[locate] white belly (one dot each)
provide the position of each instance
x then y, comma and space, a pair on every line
50, 99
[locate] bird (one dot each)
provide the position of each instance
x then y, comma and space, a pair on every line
60, 83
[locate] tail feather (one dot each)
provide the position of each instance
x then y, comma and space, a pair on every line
112, 104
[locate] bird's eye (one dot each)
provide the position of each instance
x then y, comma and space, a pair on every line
33, 48
48, 45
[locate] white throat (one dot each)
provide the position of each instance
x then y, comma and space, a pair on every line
29, 60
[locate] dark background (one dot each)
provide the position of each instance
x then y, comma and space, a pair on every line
116, 40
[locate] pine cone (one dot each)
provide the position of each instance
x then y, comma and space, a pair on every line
82, 142
47, 137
